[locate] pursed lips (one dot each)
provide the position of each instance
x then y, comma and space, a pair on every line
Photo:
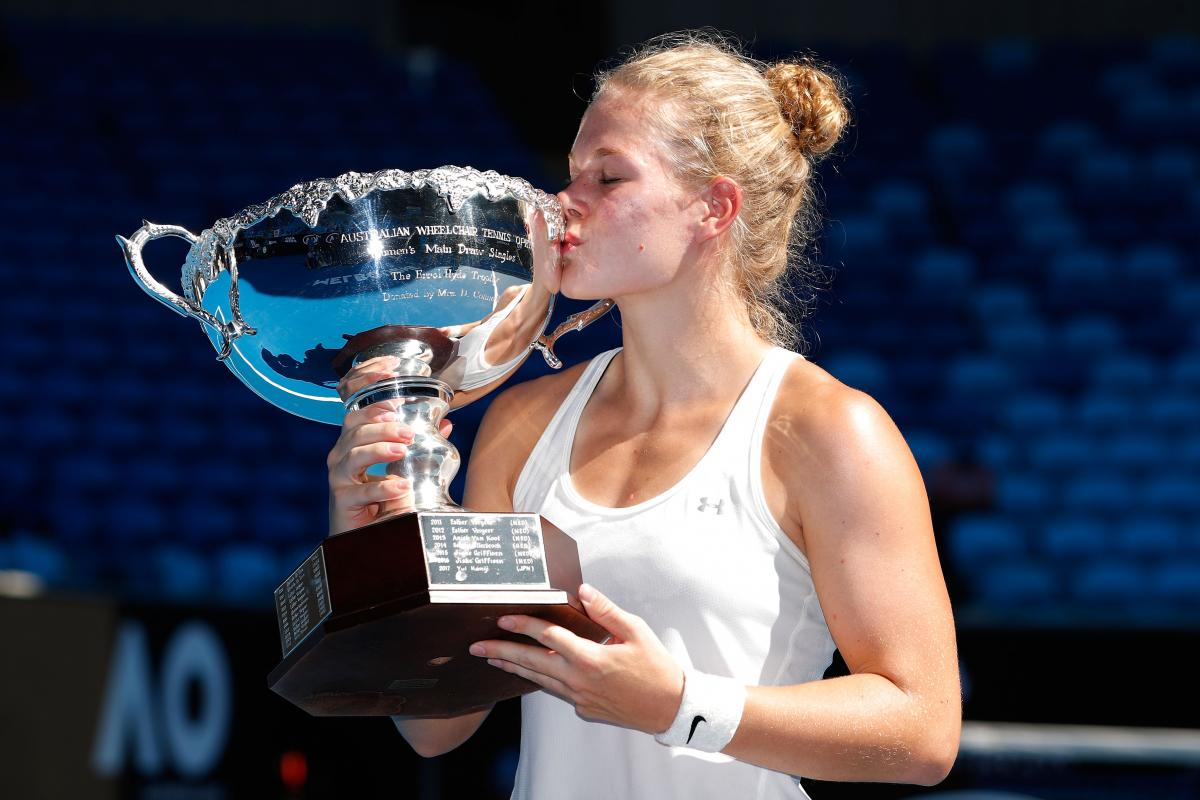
569, 242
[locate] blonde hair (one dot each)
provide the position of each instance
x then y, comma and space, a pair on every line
764, 126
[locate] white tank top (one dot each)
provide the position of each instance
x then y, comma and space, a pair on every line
708, 567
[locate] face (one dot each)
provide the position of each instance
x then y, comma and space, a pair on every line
630, 224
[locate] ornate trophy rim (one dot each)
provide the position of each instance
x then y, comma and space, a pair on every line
213, 251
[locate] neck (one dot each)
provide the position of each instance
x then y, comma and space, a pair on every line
684, 344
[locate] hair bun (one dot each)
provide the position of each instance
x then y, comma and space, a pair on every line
812, 104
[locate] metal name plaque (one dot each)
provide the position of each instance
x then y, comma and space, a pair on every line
492, 550
302, 601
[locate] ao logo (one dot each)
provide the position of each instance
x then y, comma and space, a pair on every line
157, 725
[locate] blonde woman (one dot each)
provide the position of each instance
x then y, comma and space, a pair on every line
739, 512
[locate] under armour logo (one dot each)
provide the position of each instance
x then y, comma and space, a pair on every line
705, 505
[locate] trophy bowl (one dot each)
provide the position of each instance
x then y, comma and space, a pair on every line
441, 275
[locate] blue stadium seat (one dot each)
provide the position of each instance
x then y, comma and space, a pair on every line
1074, 536
183, 574
1022, 340
1150, 535
959, 145
1178, 582
943, 270
1123, 80
1129, 373
996, 451
247, 574
900, 201
1066, 140
205, 520
1090, 336
928, 448
1026, 200
135, 518
1062, 452
1034, 414
1082, 267
858, 240
1110, 581
281, 523
1172, 170
860, 370
1184, 297
996, 304
1136, 451
1176, 55
1024, 496
976, 540
1173, 411
981, 375
1171, 492
1102, 491
1104, 413
1149, 110
1186, 450
1016, 583
1048, 234
1103, 176
1184, 371
41, 556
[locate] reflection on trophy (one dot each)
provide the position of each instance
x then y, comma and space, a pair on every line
435, 275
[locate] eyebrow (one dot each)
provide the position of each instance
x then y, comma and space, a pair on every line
599, 151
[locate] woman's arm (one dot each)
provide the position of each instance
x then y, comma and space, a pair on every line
859, 498
506, 435
866, 530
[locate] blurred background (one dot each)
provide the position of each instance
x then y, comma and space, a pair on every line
1013, 228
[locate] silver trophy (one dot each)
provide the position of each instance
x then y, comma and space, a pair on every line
440, 275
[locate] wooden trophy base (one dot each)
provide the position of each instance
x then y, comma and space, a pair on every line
378, 620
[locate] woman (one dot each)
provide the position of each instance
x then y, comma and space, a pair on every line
741, 510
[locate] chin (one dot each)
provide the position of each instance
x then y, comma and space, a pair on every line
573, 293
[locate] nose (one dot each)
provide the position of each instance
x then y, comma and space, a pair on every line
572, 207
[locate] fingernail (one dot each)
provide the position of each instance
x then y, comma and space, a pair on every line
507, 623
397, 449
477, 650
586, 593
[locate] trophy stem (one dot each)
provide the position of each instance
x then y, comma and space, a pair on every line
432, 460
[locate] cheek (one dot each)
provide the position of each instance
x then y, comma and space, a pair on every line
646, 231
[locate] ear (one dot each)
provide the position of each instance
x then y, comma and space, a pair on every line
722, 202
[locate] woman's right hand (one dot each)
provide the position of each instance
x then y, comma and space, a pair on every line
371, 435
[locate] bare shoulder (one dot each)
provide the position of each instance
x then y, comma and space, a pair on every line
822, 416
821, 438
529, 406
510, 430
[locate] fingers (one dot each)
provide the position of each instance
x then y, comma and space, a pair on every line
355, 496
613, 618
368, 372
549, 635
527, 660
360, 447
545, 255
550, 684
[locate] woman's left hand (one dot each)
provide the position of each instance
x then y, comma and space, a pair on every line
631, 681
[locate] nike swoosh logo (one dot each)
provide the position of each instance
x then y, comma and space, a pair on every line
696, 720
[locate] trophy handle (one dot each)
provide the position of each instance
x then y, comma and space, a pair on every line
132, 248
575, 322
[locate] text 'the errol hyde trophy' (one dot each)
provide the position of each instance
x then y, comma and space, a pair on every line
438, 276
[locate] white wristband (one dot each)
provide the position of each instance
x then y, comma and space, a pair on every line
708, 715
